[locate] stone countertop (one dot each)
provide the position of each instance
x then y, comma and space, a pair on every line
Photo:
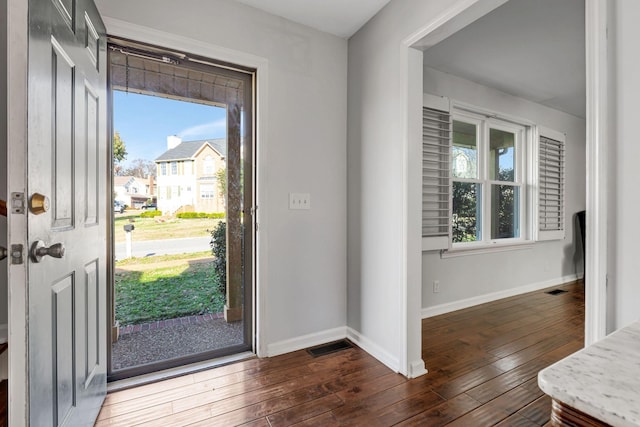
602, 380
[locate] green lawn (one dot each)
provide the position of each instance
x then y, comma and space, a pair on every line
158, 228
167, 290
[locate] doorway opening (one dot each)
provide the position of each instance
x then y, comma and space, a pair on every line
515, 70
182, 229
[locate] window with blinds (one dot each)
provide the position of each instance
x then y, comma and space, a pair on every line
436, 183
551, 187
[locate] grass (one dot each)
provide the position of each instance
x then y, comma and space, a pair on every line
156, 229
183, 288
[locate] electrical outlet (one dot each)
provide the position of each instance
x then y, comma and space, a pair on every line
436, 286
299, 201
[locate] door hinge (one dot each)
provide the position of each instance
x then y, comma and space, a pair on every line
16, 254
17, 203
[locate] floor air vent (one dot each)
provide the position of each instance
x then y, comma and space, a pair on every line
321, 350
556, 292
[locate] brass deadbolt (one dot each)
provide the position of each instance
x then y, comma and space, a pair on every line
39, 204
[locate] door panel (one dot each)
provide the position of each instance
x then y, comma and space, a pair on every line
63, 83
67, 159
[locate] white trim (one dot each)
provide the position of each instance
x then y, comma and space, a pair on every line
597, 171
140, 33
437, 310
305, 341
487, 249
373, 349
17, 133
411, 363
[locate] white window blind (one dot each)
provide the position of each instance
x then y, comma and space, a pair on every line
551, 185
436, 182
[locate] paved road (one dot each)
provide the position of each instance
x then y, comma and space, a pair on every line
163, 247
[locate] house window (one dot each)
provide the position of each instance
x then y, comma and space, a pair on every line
163, 168
207, 191
208, 165
488, 181
174, 168
487, 169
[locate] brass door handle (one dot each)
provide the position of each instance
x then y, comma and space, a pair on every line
39, 250
3, 253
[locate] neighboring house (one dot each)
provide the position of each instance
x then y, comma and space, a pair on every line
133, 191
187, 175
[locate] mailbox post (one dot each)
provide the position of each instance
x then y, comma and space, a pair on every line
128, 228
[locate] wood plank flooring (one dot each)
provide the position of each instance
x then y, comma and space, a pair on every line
483, 363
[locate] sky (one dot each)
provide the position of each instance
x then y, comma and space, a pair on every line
144, 122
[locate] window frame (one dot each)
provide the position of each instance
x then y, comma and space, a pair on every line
530, 175
523, 133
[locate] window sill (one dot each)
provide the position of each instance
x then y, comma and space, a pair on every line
487, 249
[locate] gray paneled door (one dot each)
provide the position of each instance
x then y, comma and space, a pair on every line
67, 158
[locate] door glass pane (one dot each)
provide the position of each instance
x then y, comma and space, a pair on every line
467, 212
465, 150
505, 211
501, 155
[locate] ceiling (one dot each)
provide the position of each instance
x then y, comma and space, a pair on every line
339, 17
531, 49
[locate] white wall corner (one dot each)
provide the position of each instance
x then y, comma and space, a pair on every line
305, 341
439, 309
374, 349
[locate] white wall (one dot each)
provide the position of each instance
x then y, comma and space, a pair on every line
302, 87
624, 229
547, 263
383, 246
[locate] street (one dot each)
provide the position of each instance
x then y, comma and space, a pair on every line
163, 247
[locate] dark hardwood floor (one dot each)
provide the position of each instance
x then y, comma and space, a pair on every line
483, 363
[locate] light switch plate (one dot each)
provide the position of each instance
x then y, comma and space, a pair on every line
299, 201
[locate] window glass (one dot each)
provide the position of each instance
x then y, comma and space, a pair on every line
174, 168
467, 213
163, 168
465, 150
501, 155
207, 191
208, 165
505, 211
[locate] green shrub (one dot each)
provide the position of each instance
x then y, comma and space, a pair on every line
188, 215
150, 214
219, 250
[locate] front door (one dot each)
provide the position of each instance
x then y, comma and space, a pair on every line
66, 190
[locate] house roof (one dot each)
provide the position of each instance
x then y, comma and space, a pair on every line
122, 181
188, 149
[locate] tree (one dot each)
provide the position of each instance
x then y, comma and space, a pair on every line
119, 149
140, 168
221, 176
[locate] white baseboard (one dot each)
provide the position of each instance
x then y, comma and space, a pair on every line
305, 341
374, 349
481, 299
417, 369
